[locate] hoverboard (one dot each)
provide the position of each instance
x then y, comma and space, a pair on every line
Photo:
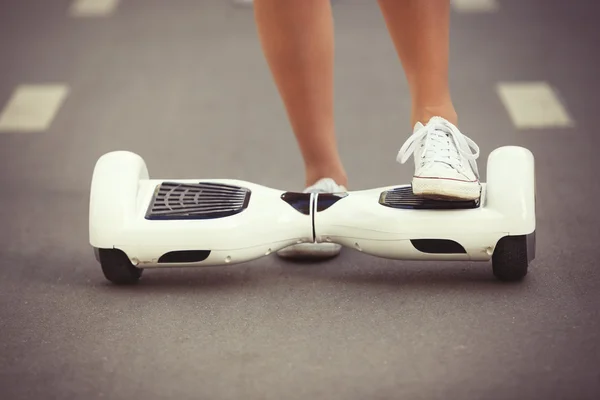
138, 223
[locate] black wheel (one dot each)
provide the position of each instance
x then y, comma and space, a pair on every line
116, 266
512, 256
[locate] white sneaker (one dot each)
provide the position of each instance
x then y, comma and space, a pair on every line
445, 166
315, 250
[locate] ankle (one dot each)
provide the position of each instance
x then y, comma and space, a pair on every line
425, 113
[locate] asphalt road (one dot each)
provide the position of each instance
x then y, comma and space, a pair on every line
184, 84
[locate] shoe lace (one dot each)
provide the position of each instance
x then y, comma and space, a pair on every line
441, 142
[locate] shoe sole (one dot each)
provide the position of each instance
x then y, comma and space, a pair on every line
446, 189
311, 251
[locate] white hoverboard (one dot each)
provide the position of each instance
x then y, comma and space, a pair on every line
136, 222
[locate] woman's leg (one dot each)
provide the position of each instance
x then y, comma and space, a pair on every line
420, 32
444, 164
297, 41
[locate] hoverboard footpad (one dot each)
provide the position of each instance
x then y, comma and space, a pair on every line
202, 200
403, 197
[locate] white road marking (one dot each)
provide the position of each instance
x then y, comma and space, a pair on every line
32, 108
92, 8
475, 6
533, 105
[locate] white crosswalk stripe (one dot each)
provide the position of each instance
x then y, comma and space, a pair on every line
475, 6
533, 105
93, 8
32, 108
